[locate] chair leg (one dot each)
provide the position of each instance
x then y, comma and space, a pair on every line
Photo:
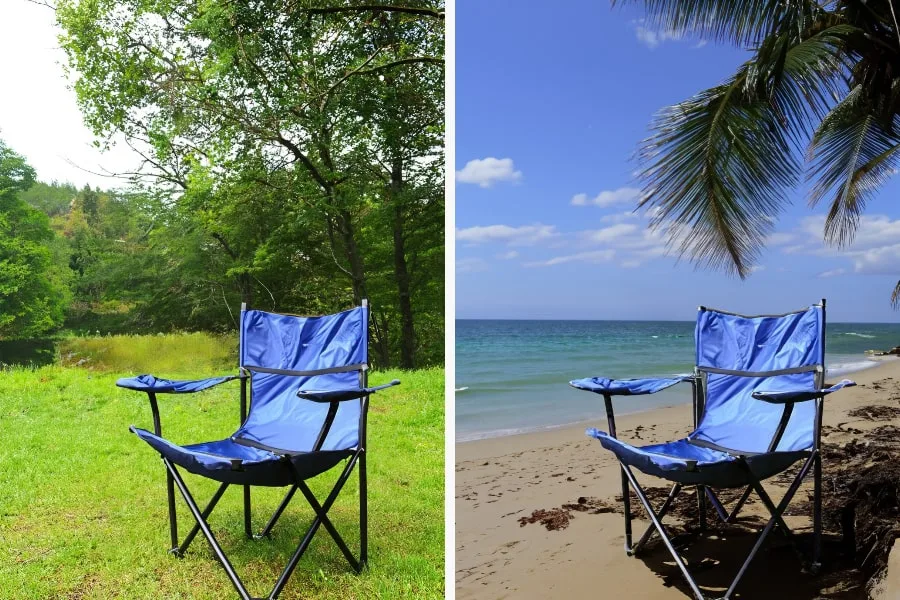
207, 532
817, 514
322, 516
248, 525
626, 502
676, 489
775, 520
701, 507
716, 504
363, 513
320, 519
777, 512
277, 514
626, 471
173, 517
739, 505
180, 550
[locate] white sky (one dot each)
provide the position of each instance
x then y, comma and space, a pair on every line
39, 117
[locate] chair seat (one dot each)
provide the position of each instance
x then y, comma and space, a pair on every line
230, 462
688, 463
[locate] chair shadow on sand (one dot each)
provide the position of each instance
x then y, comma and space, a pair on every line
716, 555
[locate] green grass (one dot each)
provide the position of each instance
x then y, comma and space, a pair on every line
162, 353
82, 500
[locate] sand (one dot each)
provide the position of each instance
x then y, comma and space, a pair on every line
499, 481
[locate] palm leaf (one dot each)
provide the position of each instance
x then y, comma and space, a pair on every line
852, 155
719, 165
742, 22
895, 297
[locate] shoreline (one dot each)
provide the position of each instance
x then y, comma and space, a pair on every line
505, 433
501, 481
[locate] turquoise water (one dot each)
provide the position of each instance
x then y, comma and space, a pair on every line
512, 376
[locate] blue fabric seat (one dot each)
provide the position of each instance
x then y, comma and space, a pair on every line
759, 386
227, 461
687, 463
304, 401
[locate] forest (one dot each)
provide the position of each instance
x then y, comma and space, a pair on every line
291, 158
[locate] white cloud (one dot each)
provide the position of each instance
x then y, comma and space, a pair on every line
622, 195
700, 44
651, 38
877, 261
628, 215
485, 172
757, 268
508, 255
609, 234
832, 273
524, 235
593, 256
779, 239
630, 264
470, 265
875, 248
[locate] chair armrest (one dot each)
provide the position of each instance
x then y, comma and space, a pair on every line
626, 387
785, 396
344, 394
155, 385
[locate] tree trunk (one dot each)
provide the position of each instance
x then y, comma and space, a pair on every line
357, 267
407, 325
246, 288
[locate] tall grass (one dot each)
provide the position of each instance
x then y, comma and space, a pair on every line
163, 354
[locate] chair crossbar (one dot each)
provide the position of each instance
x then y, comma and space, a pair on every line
321, 519
776, 519
676, 489
180, 550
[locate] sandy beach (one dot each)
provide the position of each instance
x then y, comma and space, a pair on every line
578, 552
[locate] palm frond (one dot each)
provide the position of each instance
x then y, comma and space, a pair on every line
741, 22
895, 297
717, 166
851, 155
720, 164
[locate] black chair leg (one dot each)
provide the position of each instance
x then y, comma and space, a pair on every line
363, 513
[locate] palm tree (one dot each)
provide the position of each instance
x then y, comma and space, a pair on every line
820, 97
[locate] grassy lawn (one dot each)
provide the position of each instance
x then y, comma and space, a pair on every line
83, 503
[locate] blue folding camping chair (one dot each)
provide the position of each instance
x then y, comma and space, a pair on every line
758, 394
308, 400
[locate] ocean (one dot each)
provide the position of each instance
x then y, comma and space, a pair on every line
512, 376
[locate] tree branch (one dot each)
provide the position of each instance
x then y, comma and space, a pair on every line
403, 61
409, 10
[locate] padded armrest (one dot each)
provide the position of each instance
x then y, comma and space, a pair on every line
785, 396
341, 395
626, 387
149, 383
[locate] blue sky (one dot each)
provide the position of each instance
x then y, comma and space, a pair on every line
550, 107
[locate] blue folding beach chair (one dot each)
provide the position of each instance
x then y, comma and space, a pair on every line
758, 393
308, 400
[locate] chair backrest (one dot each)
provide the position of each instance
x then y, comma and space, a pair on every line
287, 353
738, 355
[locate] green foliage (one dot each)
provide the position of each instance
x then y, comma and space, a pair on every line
84, 512
822, 79
53, 199
31, 300
295, 154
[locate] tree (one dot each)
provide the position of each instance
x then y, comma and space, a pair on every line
822, 82
31, 304
219, 95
